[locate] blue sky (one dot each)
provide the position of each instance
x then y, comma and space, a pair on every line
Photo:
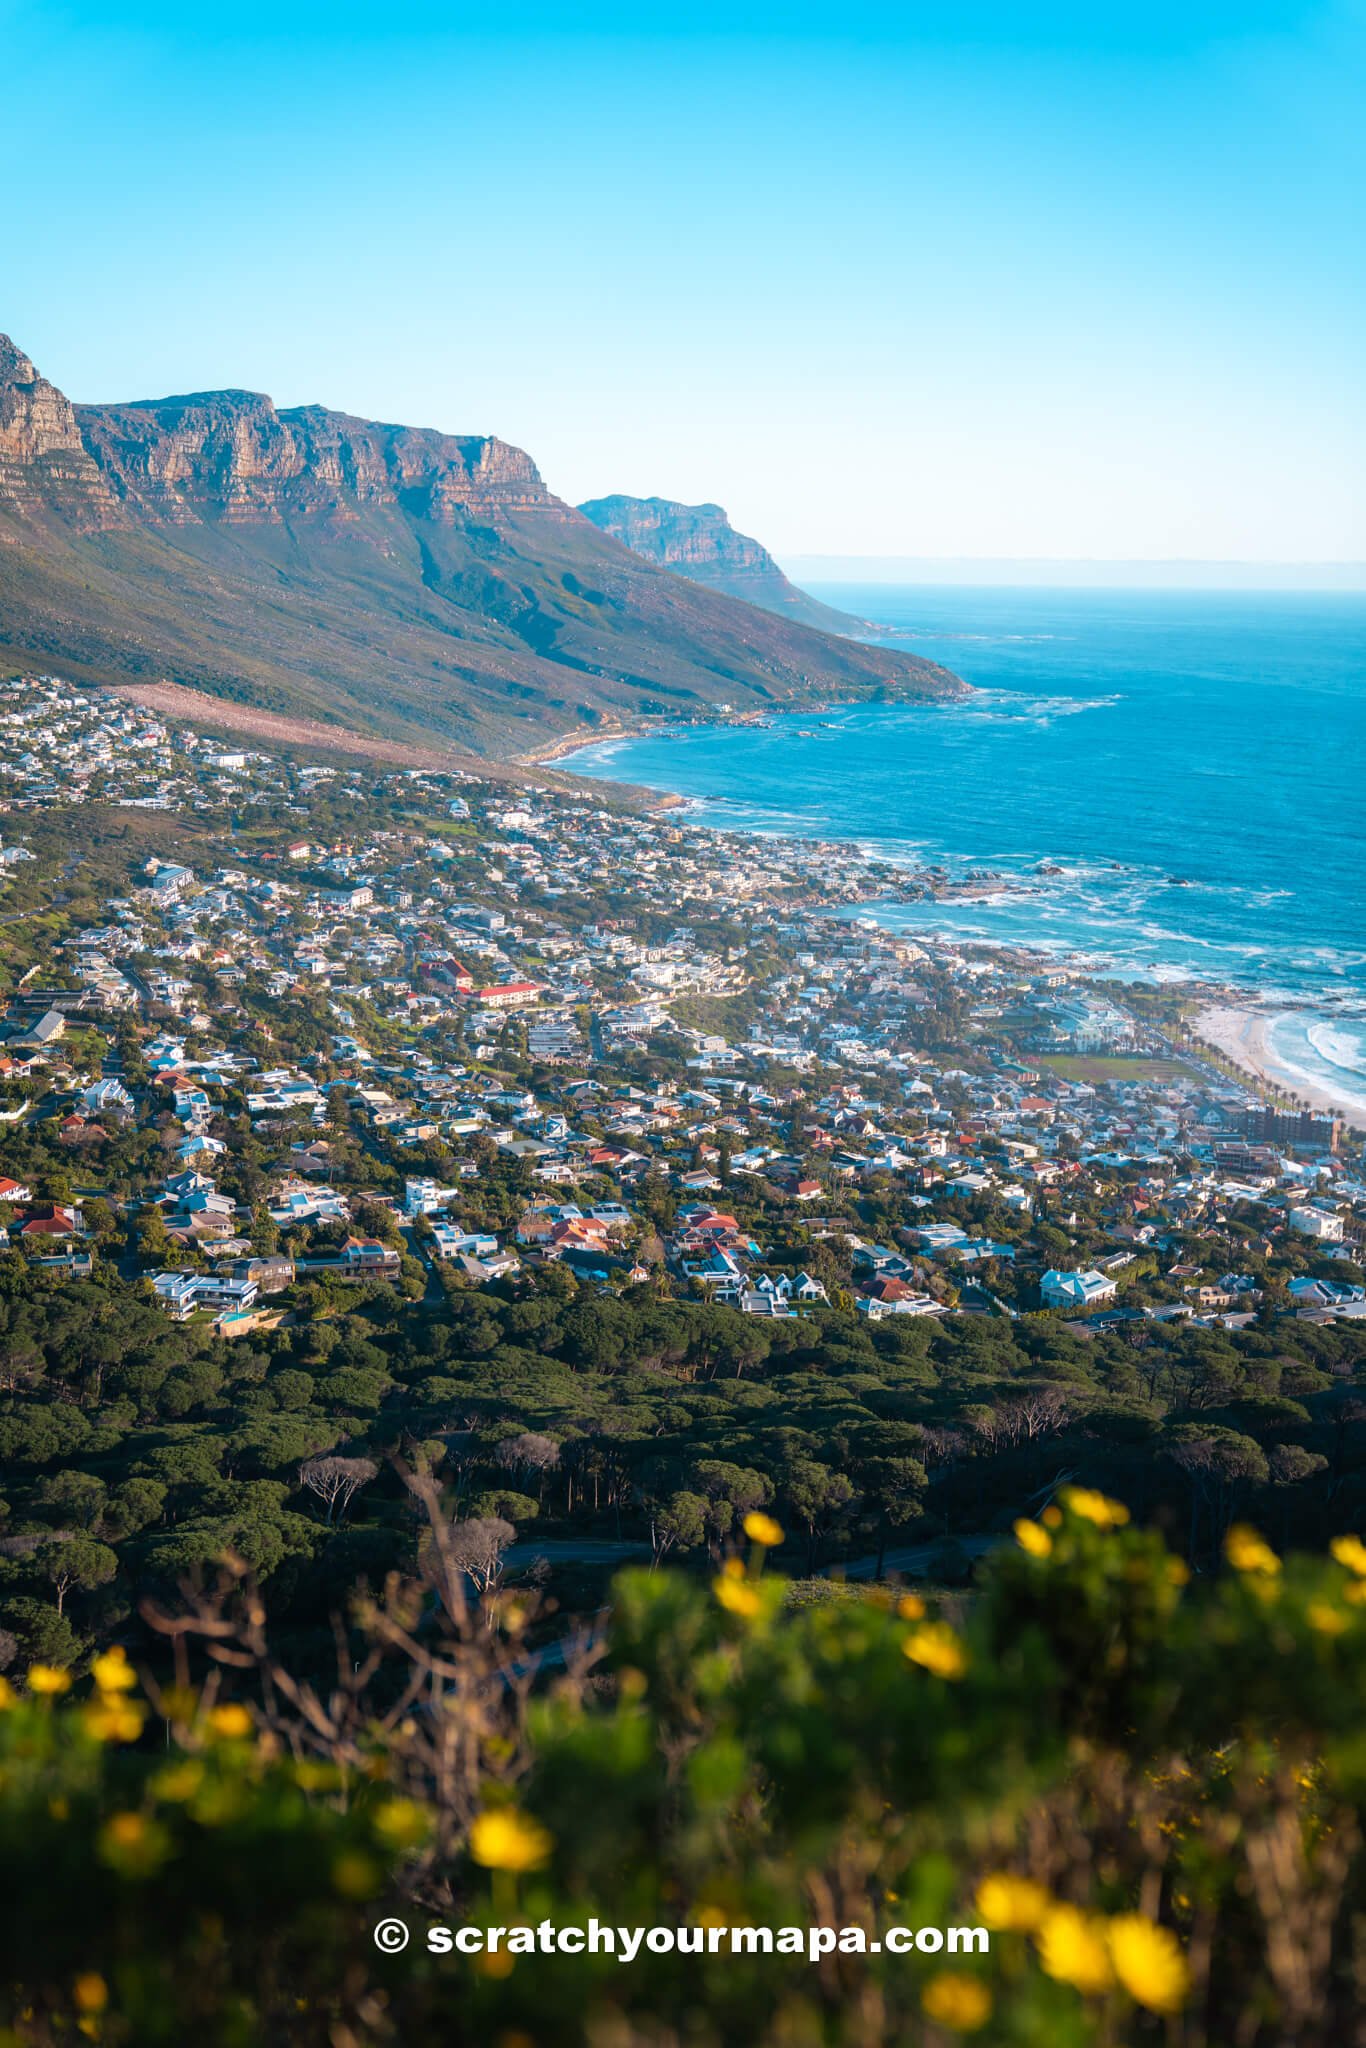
924, 280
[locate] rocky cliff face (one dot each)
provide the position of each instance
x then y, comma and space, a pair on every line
231, 455
699, 542
42, 455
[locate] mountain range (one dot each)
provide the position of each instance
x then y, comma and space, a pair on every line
699, 542
385, 580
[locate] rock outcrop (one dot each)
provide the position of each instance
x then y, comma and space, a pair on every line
43, 459
699, 542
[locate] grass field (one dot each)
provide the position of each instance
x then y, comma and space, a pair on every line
1096, 1067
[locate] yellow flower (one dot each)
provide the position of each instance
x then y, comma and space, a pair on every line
1009, 1904
112, 1672
1072, 1949
503, 1839
90, 1992
763, 1529
1052, 1516
1351, 1552
179, 1781
1032, 1537
737, 1596
957, 2001
1329, 1621
133, 1845
231, 1721
1149, 1963
48, 1679
114, 1720
937, 1648
126, 1830
7, 1694
1246, 1551
401, 1822
1178, 1572
1094, 1507
911, 1607
354, 1875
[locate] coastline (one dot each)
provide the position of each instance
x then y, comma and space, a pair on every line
562, 745
1283, 1043
1243, 1035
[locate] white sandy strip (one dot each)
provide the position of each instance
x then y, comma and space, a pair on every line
1242, 1036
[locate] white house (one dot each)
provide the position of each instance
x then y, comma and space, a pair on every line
1317, 1223
1075, 1290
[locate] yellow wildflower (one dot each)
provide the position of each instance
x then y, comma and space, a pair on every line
90, 1992
126, 1829
114, 1720
112, 1672
1052, 1516
911, 1607
1351, 1552
7, 1694
1009, 1904
179, 1781
1178, 1572
354, 1875
48, 1679
401, 1822
1072, 1949
763, 1529
738, 1597
1328, 1621
503, 1839
1031, 1536
133, 1845
1095, 1507
1246, 1551
957, 2001
1149, 1963
232, 1721
937, 1648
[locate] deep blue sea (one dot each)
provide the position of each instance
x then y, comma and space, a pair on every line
1192, 761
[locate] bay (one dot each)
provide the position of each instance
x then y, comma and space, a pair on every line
1190, 764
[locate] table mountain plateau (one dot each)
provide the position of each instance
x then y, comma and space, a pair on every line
396, 581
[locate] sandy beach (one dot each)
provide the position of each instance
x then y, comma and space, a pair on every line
1243, 1037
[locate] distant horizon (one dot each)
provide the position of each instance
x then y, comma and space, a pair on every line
1062, 572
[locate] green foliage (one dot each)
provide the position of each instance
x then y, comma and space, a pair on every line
1132, 1783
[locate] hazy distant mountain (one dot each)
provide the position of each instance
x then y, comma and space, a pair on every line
390, 579
699, 542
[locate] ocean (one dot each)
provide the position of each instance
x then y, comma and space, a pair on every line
1191, 762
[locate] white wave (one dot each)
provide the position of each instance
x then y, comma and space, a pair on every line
1343, 1050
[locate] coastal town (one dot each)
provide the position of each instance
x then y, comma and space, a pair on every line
704, 1067
349, 1115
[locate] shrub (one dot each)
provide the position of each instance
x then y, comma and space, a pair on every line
1148, 1794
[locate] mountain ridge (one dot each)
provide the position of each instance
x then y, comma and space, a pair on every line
421, 586
699, 542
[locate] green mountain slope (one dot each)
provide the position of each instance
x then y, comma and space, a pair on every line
396, 581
